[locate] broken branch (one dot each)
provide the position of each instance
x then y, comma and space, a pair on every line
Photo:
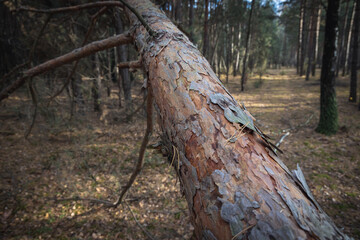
72, 8
76, 54
141, 19
131, 64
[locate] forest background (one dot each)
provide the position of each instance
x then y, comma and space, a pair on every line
76, 131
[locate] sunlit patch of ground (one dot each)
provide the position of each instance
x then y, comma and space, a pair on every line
89, 158
331, 164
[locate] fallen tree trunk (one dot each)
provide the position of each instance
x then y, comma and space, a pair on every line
235, 186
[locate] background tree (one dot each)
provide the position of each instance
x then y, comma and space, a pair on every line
354, 62
328, 123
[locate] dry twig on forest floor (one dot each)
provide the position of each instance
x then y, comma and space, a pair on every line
140, 162
137, 222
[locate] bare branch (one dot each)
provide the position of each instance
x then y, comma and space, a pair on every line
92, 24
132, 64
140, 162
141, 19
72, 8
76, 54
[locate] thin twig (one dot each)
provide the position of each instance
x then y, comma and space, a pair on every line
91, 27
137, 222
31, 86
243, 231
140, 162
300, 125
35, 102
72, 8
129, 117
281, 139
141, 19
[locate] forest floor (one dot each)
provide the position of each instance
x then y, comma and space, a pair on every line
88, 158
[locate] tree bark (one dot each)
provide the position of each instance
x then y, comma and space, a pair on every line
303, 42
328, 123
311, 47
191, 17
206, 29
122, 54
247, 46
342, 35
300, 36
234, 184
347, 58
354, 61
316, 51
96, 87
178, 11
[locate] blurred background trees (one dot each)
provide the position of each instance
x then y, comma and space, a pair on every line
237, 37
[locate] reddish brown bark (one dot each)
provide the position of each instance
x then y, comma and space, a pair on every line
232, 180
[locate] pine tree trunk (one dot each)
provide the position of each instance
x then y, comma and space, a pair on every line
234, 184
191, 18
353, 81
310, 45
178, 11
96, 87
328, 123
347, 58
122, 53
316, 50
206, 29
312, 38
342, 35
303, 42
247, 46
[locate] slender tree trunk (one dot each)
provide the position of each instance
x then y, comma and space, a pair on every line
178, 11
353, 81
247, 46
122, 53
342, 35
228, 36
191, 19
311, 52
284, 51
77, 92
349, 39
328, 123
235, 187
300, 36
96, 87
316, 50
303, 42
237, 63
206, 29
